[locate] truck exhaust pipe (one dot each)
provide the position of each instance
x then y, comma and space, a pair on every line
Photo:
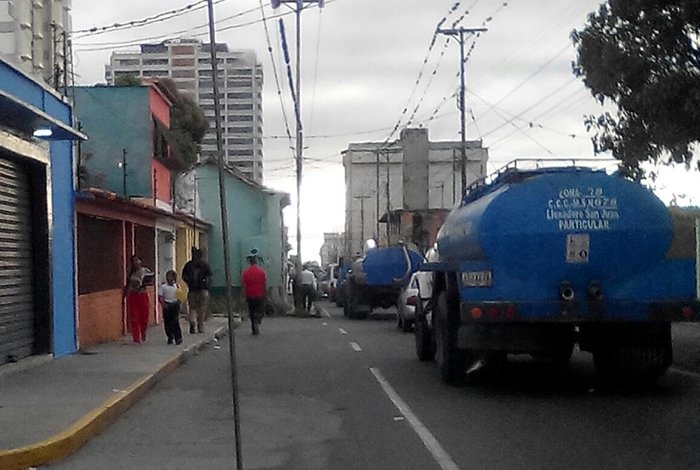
566, 292
594, 291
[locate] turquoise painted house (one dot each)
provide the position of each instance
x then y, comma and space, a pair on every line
254, 221
124, 133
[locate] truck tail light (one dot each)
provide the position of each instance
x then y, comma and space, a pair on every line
509, 312
687, 312
412, 300
492, 312
475, 313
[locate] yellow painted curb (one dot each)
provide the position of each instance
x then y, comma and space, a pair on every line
70, 440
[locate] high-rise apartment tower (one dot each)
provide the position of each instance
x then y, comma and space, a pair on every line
188, 63
33, 38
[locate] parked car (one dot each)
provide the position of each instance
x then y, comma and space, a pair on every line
407, 301
414, 303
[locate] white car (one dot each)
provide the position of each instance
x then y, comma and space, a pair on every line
406, 303
416, 294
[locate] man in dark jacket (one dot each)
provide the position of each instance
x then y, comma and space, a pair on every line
197, 274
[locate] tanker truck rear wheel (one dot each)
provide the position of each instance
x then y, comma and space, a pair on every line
451, 361
610, 366
352, 306
635, 355
340, 297
425, 340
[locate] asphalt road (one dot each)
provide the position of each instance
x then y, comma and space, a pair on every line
333, 393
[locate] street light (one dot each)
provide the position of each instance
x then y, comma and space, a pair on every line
298, 6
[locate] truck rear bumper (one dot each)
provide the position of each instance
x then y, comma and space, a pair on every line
579, 312
514, 337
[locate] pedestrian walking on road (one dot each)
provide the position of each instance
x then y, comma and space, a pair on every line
254, 282
137, 301
308, 288
197, 274
167, 296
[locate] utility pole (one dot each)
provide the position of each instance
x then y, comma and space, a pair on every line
460, 32
362, 221
377, 201
122, 164
298, 6
224, 236
388, 197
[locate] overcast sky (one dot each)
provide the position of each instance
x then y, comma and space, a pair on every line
360, 63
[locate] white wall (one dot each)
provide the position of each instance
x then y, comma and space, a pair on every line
360, 161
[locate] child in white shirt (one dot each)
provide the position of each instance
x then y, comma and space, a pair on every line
167, 296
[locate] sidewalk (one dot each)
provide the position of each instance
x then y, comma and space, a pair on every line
50, 410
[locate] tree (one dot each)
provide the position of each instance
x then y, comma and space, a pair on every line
187, 123
127, 80
643, 56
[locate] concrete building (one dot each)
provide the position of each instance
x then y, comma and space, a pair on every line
332, 248
411, 174
33, 38
188, 63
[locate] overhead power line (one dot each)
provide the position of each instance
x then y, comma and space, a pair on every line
277, 81
420, 74
157, 18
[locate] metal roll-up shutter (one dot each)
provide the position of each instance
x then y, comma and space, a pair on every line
17, 332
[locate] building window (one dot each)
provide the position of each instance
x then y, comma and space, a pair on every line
236, 118
208, 61
241, 107
155, 73
240, 141
240, 96
239, 83
238, 153
155, 61
183, 73
241, 72
241, 130
127, 62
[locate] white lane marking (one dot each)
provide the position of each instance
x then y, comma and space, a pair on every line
440, 455
342, 331
682, 371
324, 323
355, 346
327, 314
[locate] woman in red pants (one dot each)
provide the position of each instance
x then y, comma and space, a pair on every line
137, 298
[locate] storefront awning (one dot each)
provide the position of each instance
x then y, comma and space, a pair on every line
30, 120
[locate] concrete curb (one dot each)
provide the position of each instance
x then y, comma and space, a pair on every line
76, 435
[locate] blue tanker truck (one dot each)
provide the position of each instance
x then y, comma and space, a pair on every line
376, 279
534, 261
